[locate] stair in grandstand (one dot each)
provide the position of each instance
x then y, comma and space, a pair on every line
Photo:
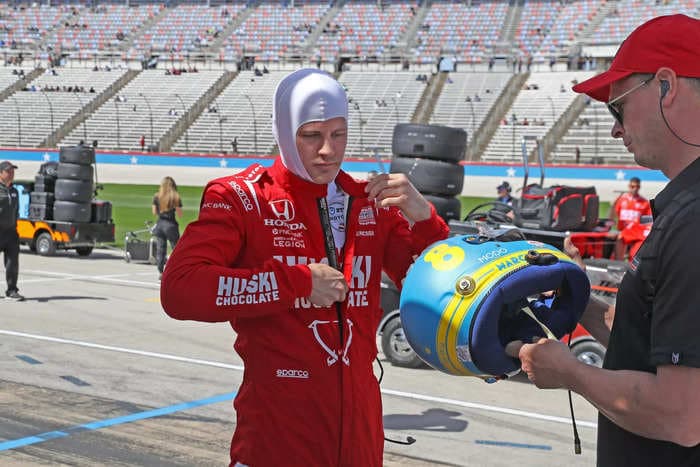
510, 26
86, 110
175, 132
492, 122
561, 127
145, 26
17, 84
601, 14
426, 104
215, 46
312, 39
408, 40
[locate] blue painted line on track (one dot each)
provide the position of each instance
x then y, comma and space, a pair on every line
508, 444
74, 380
28, 359
96, 425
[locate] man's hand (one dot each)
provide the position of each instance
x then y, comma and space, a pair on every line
327, 285
547, 362
573, 252
397, 190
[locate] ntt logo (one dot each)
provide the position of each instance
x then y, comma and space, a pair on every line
301, 374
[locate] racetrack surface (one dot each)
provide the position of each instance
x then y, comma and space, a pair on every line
94, 373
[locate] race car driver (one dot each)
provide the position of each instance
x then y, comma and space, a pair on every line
305, 331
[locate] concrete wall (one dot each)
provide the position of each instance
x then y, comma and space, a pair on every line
188, 169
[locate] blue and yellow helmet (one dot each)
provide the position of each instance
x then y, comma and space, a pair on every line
463, 299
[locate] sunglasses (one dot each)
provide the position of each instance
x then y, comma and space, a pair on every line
616, 111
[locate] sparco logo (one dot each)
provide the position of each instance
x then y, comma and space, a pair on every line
245, 200
283, 209
301, 374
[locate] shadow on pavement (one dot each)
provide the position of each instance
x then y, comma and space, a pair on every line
440, 420
60, 297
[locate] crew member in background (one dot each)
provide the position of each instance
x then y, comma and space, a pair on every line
504, 190
166, 205
628, 210
258, 257
9, 239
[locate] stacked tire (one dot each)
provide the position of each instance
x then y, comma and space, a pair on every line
74, 184
41, 199
429, 155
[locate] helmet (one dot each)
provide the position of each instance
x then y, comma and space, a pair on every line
462, 301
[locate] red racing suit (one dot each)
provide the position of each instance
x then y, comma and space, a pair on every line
307, 398
629, 209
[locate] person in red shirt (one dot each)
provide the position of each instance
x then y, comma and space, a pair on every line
628, 210
258, 257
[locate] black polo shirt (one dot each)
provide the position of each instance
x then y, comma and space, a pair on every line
659, 329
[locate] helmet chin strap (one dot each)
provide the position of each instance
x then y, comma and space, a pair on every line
545, 329
550, 335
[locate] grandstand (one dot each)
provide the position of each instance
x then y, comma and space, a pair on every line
465, 31
129, 45
48, 102
543, 99
147, 106
242, 111
590, 133
187, 28
274, 31
465, 102
379, 101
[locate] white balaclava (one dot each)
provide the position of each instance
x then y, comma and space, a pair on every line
306, 95
310, 95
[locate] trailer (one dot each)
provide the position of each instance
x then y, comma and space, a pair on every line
45, 237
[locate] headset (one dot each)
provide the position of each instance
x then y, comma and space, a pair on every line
665, 87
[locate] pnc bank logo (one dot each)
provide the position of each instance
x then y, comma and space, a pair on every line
283, 209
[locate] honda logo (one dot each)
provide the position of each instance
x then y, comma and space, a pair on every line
283, 209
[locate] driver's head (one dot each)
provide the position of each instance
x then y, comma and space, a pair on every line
634, 186
503, 189
309, 121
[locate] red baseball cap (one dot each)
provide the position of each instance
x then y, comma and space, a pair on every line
666, 41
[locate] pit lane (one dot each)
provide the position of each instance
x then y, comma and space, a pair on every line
94, 373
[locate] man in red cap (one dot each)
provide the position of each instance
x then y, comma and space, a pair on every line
647, 391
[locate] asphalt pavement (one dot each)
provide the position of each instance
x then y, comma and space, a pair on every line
92, 372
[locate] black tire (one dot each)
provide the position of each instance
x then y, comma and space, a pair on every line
41, 211
41, 197
447, 207
83, 250
590, 352
74, 171
45, 246
84, 155
430, 176
76, 191
396, 348
69, 211
48, 169
437, 142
